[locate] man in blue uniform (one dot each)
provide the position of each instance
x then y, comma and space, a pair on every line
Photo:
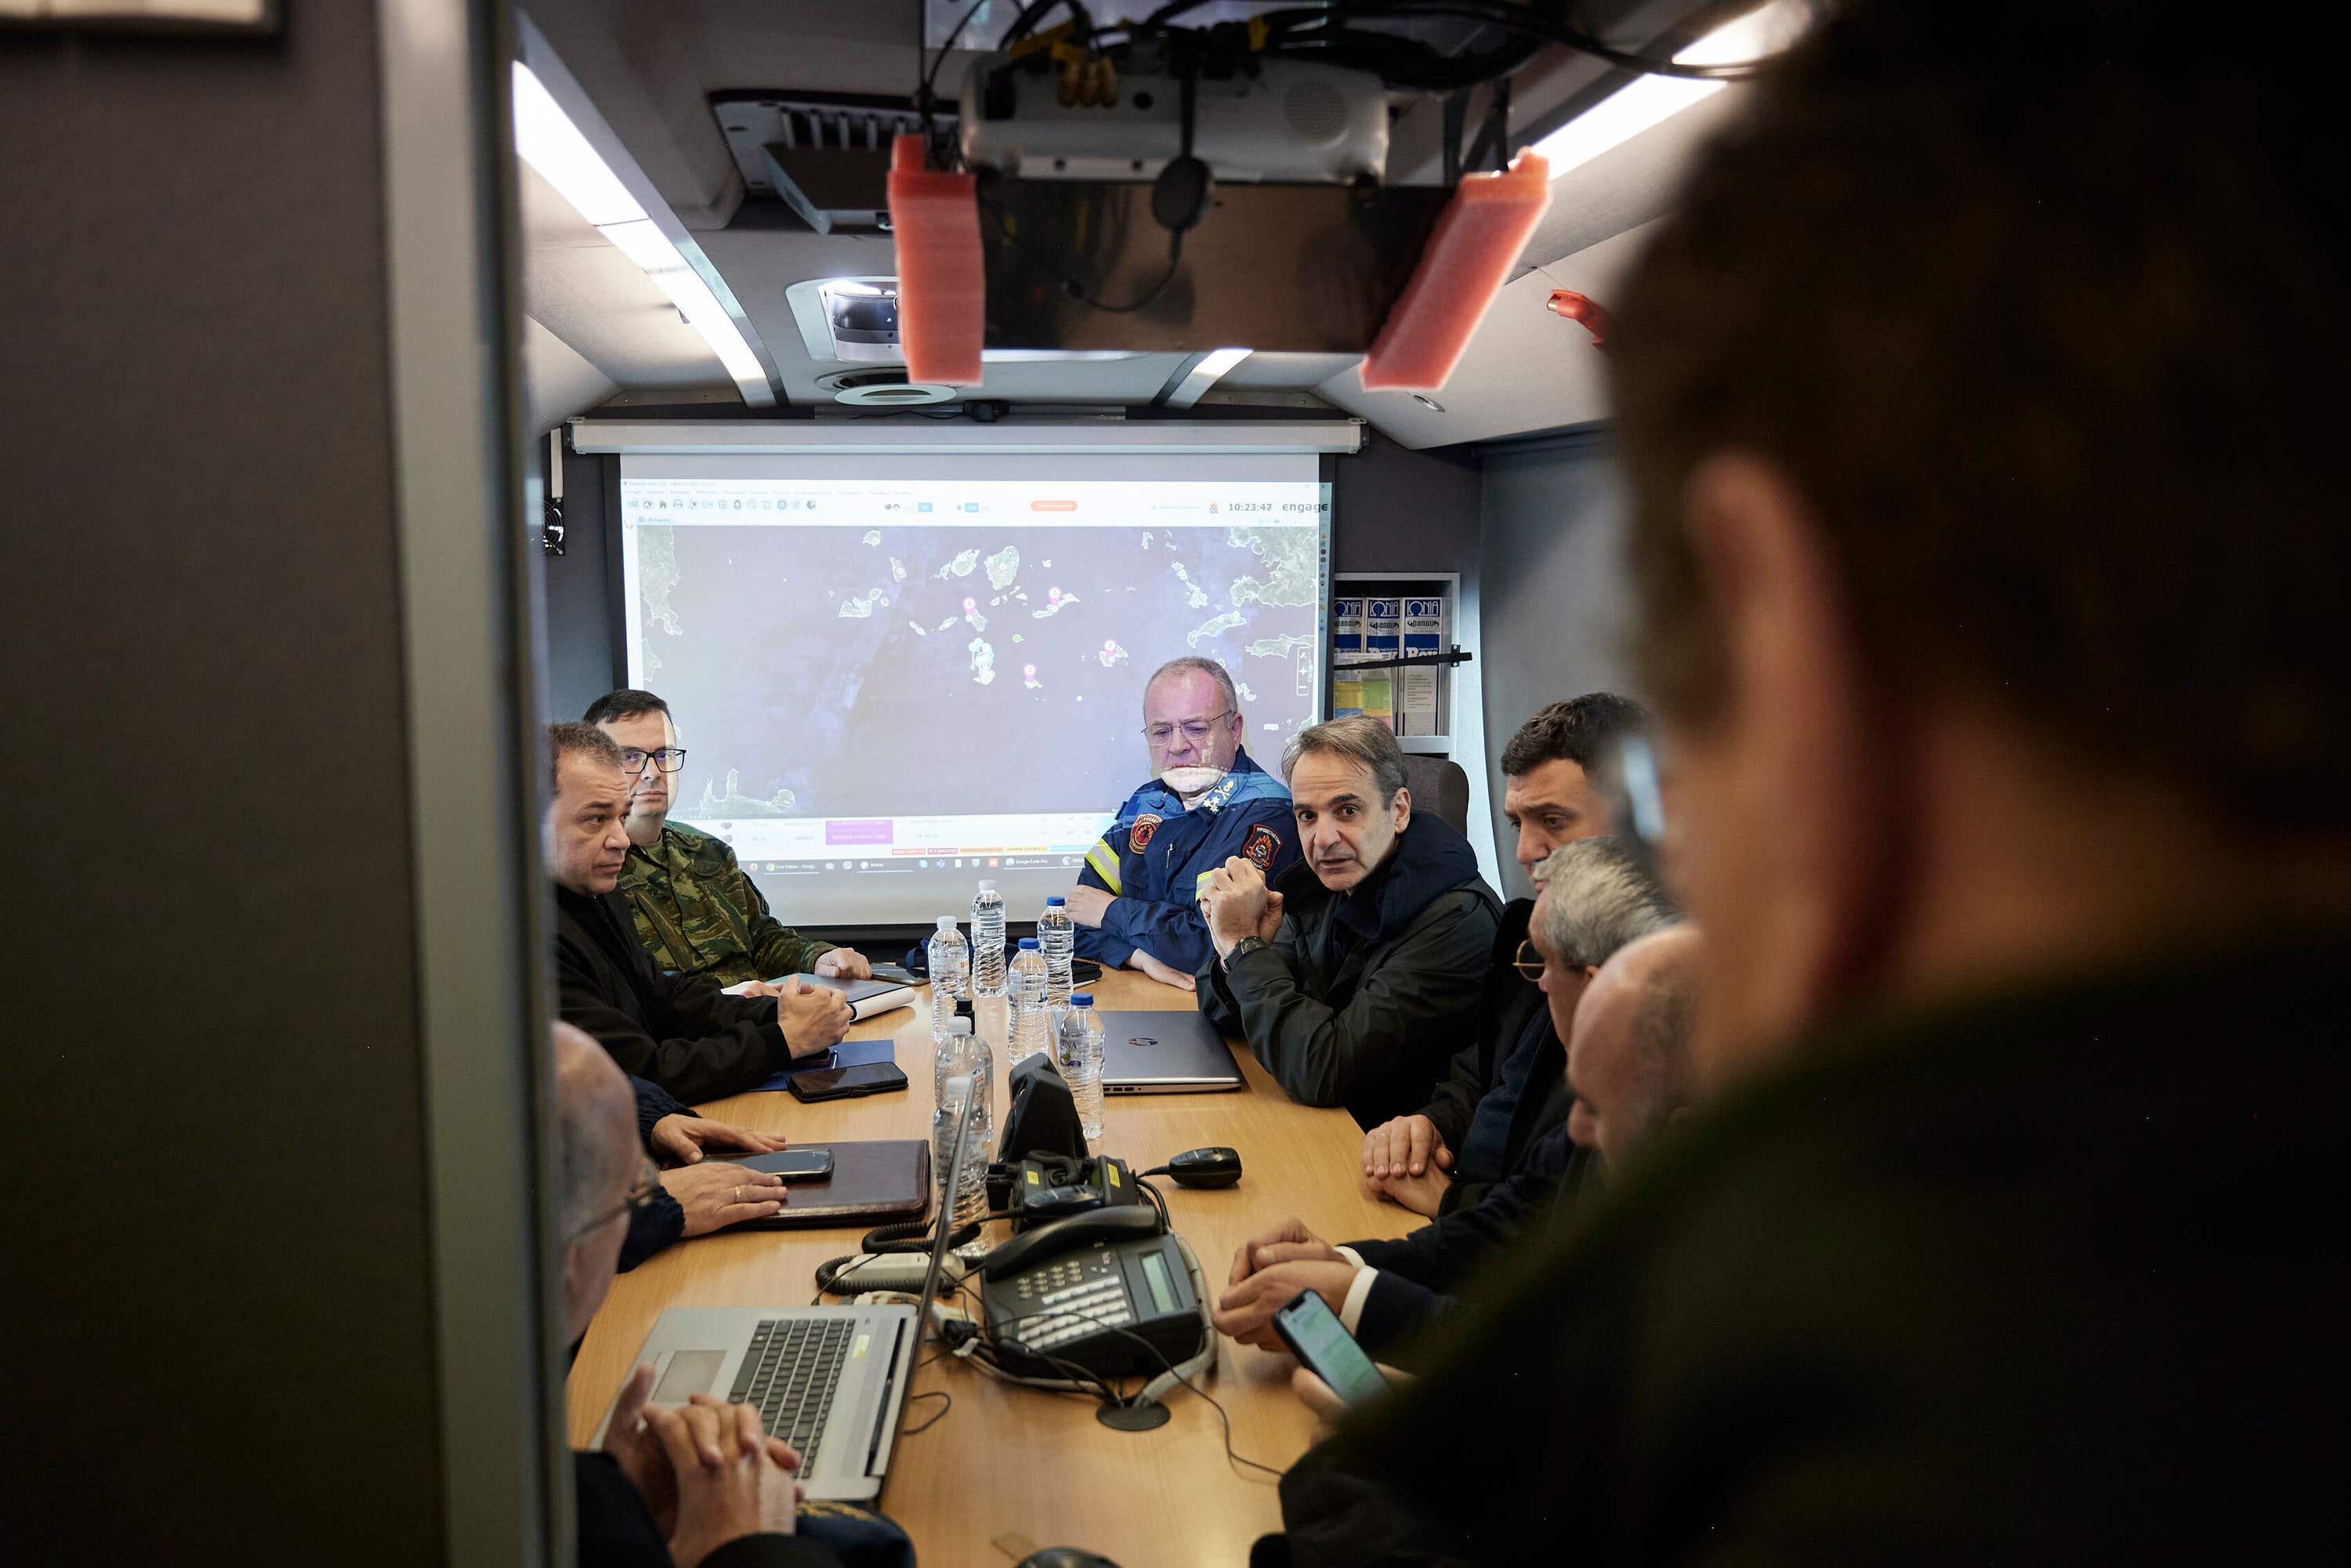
1137, 902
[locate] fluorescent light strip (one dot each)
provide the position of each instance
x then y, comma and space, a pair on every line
549, 143
1651, 101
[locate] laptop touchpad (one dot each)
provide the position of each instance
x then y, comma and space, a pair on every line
690, 1371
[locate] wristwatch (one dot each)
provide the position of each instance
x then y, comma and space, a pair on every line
1246, 944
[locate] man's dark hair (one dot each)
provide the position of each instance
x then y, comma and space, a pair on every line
1579, 730
626, 702
2044, 312
569, 740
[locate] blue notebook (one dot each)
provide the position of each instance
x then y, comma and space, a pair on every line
848, 1053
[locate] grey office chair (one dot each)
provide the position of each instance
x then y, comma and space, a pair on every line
1439, 787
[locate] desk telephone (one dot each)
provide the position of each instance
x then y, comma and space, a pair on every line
1110, 1289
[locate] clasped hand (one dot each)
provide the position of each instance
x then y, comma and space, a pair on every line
813, 1017
1405, 1161
1268, 1272
1237, 904
707, 1472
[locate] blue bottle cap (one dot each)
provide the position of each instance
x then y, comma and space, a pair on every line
1082, 998
1028, 944
1056, 900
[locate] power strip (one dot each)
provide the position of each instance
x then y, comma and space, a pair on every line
896, 1271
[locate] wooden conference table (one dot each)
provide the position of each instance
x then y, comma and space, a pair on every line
1016, 1461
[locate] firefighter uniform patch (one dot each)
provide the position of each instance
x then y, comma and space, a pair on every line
1138, 838
1262, 845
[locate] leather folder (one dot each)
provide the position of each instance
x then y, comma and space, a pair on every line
872, 1184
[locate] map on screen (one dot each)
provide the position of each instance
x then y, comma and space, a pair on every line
888, 687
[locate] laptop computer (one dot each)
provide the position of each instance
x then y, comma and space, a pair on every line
829, 1381
1164, 1053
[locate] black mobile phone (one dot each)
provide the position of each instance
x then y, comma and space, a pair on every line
840, 1083
800, 1164
1324, 1347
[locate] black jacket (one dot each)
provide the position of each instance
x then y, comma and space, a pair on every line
682, 1033
617, 1531
2055, 1277
1508, 1005
1421, 1276
1373, 1029
662, 1221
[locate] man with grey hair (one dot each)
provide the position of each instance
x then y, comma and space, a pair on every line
1136, 903
1508, 1086
679, 1485
1629, 1055
1352, 975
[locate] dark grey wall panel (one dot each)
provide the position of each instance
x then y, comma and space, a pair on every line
585, 656
1395, 509
1556, 601
222, 1234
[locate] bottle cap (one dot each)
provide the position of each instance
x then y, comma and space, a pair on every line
987, 884
946, 923
1056, 901
1028, 944
1082, 998
958, 1026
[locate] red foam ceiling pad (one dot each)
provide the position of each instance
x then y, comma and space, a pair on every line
1469, 255
942, 276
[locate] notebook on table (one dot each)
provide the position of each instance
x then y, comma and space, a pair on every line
865, 998
1164, 1053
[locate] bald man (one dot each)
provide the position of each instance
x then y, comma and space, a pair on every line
728, 1497
1628, 1038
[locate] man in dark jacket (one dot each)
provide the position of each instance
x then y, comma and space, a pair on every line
1508, 1089
677, 1031
1630, 1032
1354, 975
2002, 685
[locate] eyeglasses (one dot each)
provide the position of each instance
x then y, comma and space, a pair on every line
1529, 963
669, 759
1196, 731
639, 1196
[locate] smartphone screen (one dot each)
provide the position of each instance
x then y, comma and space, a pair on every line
1324, 1347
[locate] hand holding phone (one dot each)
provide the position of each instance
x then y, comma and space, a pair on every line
1324, 1347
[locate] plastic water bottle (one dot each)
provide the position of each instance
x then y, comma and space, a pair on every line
1077, 1053
950, 960
963, 1054
1029, 1019
1057, 937
987, 941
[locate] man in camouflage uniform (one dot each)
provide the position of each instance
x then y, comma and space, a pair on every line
696, 910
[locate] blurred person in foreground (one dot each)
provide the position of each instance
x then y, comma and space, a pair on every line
1980, 400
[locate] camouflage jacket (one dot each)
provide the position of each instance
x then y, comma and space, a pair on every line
698, 913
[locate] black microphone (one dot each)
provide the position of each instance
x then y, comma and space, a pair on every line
1203, 1167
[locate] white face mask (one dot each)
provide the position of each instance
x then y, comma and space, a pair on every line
1190, 782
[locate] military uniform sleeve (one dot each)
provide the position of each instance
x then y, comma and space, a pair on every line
1323, 1055
777, 948
697, 1044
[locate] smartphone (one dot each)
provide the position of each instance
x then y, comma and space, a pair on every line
840, 1083
792, 1164
1324, 1347
800, 1164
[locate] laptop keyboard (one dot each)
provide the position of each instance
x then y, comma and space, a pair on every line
790, 1373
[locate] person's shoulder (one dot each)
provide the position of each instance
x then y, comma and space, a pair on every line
705, 854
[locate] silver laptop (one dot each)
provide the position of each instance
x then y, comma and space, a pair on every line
829, 1381
1164, 1053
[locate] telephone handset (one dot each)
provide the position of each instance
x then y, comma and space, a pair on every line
1032, 1247
1109, 1291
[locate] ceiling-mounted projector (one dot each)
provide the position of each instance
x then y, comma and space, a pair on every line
1254, 122
1145, 185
